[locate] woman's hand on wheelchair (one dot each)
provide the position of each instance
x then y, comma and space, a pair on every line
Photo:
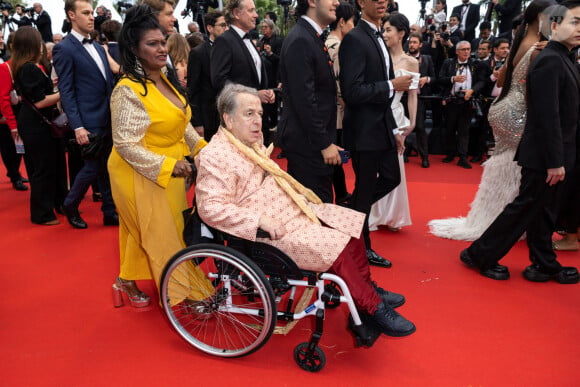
273, 227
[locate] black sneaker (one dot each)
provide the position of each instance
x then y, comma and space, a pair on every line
392, 323
394, 300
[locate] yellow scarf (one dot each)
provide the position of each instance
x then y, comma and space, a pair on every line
293, 188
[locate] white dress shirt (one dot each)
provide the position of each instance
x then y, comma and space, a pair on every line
92, 52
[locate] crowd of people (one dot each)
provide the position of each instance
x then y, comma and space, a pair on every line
349, 81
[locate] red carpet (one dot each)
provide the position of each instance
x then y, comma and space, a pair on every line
58, 326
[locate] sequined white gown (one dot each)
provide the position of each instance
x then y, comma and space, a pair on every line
393, 209
501, 176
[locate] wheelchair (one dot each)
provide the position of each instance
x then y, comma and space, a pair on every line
226, 297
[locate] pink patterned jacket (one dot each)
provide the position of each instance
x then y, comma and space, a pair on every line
232, 193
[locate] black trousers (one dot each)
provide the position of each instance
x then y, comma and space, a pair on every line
376, 174
420, 133
533, 211
10, 158
569, 217
48, 175
458, 119
312, 173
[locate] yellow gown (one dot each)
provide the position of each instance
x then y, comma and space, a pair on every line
150, 134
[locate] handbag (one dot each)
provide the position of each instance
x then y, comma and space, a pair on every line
91, 151
59, 126
14, 100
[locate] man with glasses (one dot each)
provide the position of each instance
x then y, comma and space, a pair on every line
462, 78
204, 114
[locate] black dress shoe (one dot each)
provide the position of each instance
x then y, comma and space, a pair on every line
97, 197
74, 217
476, 159
463, 163
394, 300
405, 158
566, 275
496, 271
19, 185
392, 323
111, 220
377, 260
25, 180
344, 200
448, 159
281, 155
425, 163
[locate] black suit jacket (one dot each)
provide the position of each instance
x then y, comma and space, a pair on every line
471, 22
368, 119
449, 69
308, 121
201, 93
427, 69
231, 61
551, 136
44, 25
507, 11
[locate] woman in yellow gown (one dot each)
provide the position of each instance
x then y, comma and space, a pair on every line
151, 137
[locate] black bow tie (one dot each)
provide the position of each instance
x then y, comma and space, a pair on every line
462, 64
379, 33
246, 36
87, 40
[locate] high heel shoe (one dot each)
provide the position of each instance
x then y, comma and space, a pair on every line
137, 298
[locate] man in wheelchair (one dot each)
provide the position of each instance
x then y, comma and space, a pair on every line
240, 189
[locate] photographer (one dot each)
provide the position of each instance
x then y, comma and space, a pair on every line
197, 9
43, 22
462, 80
24, 16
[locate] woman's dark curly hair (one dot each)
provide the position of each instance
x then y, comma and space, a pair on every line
138, 20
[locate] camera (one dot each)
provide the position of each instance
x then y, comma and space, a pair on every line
445, 36
5, 6
28, 10
432, 28
121, 4
284, 3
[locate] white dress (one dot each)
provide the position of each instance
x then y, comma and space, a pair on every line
393, 209
500, 181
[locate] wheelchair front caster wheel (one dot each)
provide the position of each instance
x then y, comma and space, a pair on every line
312, 361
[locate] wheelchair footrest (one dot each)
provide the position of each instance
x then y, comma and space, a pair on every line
365, 334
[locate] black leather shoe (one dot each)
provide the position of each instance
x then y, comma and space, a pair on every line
377, 260
111, 220
344, 200
566, 275
281, 155
19, 185
476, 159
463, 163
405, 158
392, 323
25, 180
74, 217
97, 197
425, 163
448, 159
394, 300
497, 272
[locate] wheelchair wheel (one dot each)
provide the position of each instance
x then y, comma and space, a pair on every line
312, 361
202, 299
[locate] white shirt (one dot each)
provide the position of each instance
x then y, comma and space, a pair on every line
464, 11
385, 54
465, 85
314, 25
252, 50
92, 52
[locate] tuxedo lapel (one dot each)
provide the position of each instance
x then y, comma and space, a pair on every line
317, 42
371, 33
247, 54
80, 48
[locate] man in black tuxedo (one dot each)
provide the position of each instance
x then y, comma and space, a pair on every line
548, 153
461, 79
204, 114
507, 11
368, 84
468, 17
427, 71
234, 58
43, 22
307, 128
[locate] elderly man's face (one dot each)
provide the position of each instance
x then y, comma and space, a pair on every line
246, 121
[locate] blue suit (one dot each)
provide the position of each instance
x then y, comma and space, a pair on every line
85, 96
